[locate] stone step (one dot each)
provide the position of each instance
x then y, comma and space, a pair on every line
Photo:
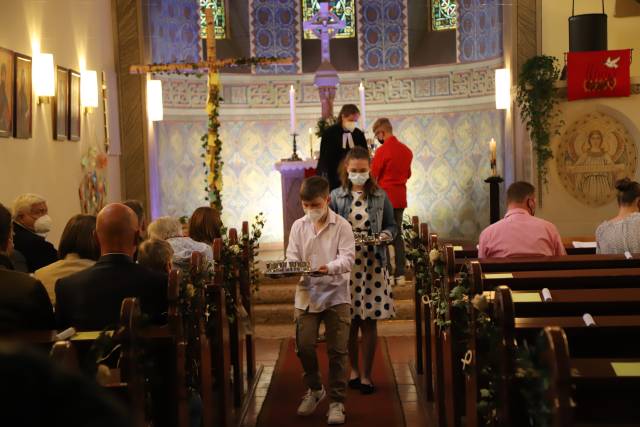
277, 314
284, 293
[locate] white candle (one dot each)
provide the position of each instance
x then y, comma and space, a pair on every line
292, 109
363, 114
311, 143
492, 147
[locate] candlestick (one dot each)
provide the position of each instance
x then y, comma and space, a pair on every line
292, 109
492, 148
363, 113
311, 143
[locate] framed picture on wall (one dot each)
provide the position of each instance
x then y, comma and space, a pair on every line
74, 105
23, 97
6, 93
61, 105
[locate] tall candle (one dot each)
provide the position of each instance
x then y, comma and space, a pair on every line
363, 113
492, 148
311, 143
292, 109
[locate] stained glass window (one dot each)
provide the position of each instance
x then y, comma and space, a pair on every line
219, 18
344, 9
444, 15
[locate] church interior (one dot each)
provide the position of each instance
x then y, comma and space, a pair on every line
173, 206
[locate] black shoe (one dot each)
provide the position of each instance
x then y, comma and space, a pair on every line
367, 388
355, 384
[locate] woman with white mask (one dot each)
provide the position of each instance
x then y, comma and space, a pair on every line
336, 141
368, 210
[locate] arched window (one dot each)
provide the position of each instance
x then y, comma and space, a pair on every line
219, 18
344, 9
444, 15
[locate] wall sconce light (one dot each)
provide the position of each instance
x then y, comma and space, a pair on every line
155, 110
43, 77
89, 90
503, 89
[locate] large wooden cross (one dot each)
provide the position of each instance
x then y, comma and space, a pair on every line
211, 66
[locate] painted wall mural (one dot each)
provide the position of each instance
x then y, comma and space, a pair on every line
451, 161
275, 32
383, 37
595, 151
173, 30
479, 30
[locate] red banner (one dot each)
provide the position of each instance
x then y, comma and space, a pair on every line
598, 74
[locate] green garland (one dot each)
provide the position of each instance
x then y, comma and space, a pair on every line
538, 101
214, 195
323, 124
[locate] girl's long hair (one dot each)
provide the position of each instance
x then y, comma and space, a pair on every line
358, 153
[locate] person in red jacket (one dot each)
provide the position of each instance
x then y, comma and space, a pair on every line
391, 166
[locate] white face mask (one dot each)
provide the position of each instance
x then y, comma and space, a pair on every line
358, 178
315, 215
349, 125
43, 224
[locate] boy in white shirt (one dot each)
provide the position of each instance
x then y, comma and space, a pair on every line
326, 241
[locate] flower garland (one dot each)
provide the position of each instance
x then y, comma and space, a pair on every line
188, 68
212, 146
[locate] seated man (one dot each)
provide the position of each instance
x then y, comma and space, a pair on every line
520, 233
91, 299
24, 303
31, 222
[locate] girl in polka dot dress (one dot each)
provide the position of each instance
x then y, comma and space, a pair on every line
367, 208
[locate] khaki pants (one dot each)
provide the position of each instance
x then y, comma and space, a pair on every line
337, 320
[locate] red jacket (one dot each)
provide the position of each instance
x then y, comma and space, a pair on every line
391, 166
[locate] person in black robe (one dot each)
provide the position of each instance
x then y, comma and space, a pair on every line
336, 141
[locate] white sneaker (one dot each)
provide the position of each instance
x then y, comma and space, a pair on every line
399, 280
336, 413
310, 401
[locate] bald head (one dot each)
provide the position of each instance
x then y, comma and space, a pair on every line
117, 229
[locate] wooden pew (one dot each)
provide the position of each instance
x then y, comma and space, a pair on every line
130, 386
218, 334
200, 338
417, 300
573, 262
588, 390
237, 350
436, 344
566, 306
246, 293
133, 339
564, 279
608, 338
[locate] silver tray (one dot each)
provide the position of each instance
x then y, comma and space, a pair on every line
289, 268
364, 238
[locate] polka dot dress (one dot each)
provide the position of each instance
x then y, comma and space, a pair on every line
371, 293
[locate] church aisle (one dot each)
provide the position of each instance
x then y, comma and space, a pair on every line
397, 397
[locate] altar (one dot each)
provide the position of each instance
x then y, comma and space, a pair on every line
292, 174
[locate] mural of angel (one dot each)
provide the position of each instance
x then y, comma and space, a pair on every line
595, 152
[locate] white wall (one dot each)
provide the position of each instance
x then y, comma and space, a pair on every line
572, 217
74, 31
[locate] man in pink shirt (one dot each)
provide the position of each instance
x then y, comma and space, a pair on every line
520, 233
